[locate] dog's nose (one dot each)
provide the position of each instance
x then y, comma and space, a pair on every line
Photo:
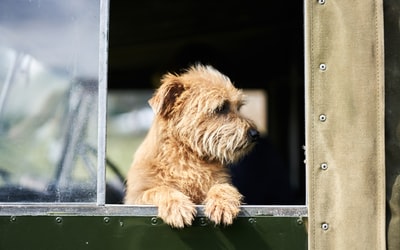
253, 134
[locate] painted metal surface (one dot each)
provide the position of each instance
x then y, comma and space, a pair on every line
148, 232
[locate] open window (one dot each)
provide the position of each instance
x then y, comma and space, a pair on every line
261, 53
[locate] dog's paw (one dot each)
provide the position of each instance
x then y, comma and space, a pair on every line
178, 211
222, 204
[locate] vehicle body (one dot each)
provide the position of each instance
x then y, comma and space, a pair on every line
61, 189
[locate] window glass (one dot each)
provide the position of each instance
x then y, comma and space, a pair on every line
49, 63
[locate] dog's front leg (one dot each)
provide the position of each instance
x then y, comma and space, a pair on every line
222, 203
174, 207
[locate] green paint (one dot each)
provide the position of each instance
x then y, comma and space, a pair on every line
115, 232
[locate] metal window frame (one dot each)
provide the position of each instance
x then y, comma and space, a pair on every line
102, 101
90, 209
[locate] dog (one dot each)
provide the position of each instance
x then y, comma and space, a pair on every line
196, 132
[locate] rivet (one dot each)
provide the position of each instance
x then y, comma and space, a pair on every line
203, 222
252, 220
106, 220
324, 166
322, 118
322, 66
59, 219
154, 221
325, 226
321, 2
300, 221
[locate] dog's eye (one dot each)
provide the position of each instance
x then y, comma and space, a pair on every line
240, 106
223, 108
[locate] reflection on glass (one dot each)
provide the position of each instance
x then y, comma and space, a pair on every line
48, 100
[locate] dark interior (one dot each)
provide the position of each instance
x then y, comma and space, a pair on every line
258, 44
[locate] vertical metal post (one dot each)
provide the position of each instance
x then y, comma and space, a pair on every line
102, 102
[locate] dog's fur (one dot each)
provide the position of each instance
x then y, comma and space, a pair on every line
196, 132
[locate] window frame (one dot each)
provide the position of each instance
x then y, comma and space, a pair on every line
100, 208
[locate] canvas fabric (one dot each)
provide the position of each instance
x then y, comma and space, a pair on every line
345, 134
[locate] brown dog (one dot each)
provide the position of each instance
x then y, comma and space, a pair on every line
196, 132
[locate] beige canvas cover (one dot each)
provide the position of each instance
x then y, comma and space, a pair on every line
345, 136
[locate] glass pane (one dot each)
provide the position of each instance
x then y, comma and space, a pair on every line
49, 62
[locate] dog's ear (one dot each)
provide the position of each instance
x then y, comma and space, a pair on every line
164, 99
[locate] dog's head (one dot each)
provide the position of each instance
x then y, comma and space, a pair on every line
201, 110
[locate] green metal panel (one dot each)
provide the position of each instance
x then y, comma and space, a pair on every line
126, 232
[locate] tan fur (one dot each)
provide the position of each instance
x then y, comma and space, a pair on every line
196, 131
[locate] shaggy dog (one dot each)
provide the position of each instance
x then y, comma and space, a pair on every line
196, 132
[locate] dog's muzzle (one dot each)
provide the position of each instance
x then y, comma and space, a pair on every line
253, 135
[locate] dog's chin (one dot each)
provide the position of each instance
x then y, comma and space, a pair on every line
225, 159
232, 157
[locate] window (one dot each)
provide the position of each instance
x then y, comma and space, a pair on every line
56, 177
53, 96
